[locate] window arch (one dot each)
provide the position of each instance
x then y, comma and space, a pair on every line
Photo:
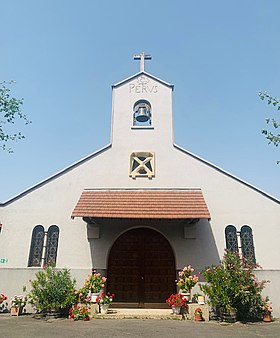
52, 244
247, 244
36, 246
142, 113
231, 238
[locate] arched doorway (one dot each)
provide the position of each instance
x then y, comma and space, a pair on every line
141, 267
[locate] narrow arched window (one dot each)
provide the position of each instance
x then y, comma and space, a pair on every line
36, 246
52, 244
231, 238
247, 244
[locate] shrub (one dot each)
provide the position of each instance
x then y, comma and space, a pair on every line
233, 285
52, 290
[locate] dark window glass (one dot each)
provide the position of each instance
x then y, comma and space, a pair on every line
134, 165
149, 166
52, 244
231, 238
247, 244
36, 247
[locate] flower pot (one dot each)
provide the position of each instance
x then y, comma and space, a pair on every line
104, 308
198, 317
176, 310
186, 295
267, 317
54, 313
229, 316
16, 311
94, 296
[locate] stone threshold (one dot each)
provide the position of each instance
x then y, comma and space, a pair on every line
138, 313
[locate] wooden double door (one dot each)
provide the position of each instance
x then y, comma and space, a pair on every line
141, 267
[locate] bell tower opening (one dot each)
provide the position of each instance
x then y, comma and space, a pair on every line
142, 115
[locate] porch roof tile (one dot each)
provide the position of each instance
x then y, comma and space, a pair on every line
160, 204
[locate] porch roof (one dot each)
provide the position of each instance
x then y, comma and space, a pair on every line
156, 204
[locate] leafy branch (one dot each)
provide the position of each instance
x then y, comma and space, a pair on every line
272, 136
10, 110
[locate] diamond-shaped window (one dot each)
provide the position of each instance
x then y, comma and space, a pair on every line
142, 164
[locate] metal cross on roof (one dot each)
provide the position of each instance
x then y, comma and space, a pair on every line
142, 57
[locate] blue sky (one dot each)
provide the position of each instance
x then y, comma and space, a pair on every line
65, 55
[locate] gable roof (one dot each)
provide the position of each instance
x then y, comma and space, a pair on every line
142, 73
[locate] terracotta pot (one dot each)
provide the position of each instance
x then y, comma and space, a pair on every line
197, 317
16, 311
267, 317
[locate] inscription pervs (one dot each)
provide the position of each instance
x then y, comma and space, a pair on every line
142, 88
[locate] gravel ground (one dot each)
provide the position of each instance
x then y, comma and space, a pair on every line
27, 326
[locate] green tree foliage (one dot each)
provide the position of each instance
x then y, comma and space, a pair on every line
52, 289
271, 135
10, 111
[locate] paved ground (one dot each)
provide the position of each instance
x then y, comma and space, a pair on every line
27, 327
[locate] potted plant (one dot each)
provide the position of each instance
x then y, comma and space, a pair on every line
17, 304
198, 314
177, 303
94, 284
266, 310
2, 298
104, 302
83, 295
187, 281
79, 312
3, 304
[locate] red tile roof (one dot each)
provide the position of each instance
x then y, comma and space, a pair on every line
165, 204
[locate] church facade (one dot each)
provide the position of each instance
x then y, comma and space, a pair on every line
139, 209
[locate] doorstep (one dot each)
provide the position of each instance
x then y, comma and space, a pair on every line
123, 313
150, 313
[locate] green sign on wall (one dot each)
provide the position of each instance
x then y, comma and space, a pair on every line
3, 260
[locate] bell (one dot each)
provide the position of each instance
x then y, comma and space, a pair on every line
142, 115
